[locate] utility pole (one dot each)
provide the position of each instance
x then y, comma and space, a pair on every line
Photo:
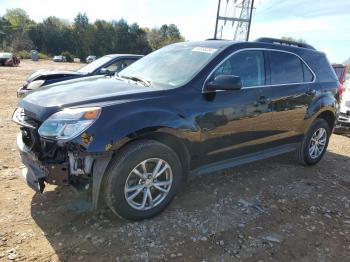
250, 19
217, 19
234, 19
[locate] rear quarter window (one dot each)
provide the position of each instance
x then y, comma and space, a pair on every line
308, 76
321, 67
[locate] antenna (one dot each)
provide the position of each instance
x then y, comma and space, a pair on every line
239, 13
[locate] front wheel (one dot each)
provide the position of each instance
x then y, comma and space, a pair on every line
142, 180
315, 143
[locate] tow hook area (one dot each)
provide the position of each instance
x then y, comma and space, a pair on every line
94, 165
80, 165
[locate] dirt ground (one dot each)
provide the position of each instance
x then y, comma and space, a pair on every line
273, 210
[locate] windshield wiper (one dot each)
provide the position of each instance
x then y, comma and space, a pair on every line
137, 79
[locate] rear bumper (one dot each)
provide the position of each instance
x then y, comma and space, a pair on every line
33, 172
343, 121
342, 127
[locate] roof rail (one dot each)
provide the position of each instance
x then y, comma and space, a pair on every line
284, 42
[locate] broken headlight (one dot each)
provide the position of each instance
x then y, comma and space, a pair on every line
69, 123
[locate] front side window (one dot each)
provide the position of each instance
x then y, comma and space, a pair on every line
249, 65
119, 65
287, 68
89, 68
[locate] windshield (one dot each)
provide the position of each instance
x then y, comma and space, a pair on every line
89, 68
170, 66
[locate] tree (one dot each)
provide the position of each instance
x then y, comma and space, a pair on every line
165, 35
52, 30
82, 32
81, 38
289, 38
16, 24
17, 18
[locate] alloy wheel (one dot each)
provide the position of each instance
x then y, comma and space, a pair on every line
148, 184
318, 143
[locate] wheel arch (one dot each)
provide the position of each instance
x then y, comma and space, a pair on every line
163, 135
329, 116
323, 106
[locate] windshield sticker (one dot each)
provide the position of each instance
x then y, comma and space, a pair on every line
204, 50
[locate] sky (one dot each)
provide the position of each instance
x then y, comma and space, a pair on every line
324, 24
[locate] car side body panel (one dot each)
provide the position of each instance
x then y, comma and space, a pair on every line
187, 113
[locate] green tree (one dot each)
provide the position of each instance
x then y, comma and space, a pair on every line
17, 18
81, 38
104, 38
82, 32
165, 35
15, 26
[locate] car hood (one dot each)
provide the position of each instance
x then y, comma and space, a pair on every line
95, 90
44, 73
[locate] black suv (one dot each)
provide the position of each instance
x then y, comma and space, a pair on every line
188, 108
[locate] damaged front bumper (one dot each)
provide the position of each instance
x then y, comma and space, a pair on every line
36, 174
33, 172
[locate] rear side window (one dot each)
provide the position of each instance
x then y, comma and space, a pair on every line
249, 65
288, 68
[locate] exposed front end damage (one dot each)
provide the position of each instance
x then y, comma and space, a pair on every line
56, 163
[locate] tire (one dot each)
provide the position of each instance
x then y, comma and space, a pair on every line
124, 172
305, 155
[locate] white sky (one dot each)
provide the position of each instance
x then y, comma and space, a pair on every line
324, 24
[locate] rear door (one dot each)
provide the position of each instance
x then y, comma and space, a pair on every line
288, 95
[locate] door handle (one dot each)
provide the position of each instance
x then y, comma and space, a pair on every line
310, 92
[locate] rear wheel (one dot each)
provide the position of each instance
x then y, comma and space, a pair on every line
315, 143
142, 180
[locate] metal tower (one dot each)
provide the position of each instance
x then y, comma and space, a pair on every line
233, 19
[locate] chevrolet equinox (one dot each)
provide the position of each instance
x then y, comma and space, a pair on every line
186, 109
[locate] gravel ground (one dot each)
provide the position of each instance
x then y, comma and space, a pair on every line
273, 210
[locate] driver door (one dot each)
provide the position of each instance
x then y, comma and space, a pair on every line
234, 123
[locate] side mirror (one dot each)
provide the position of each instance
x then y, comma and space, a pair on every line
104, 71
224, 82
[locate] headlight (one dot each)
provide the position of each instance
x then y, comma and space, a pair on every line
69, 123
35, 84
